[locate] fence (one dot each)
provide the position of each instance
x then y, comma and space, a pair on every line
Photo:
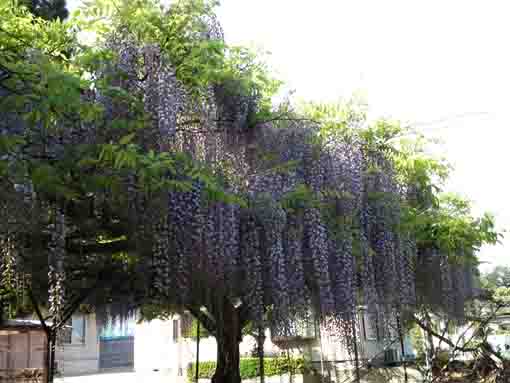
22, 353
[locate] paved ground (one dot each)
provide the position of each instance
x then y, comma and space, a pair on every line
393, 375
123, 377
132, 377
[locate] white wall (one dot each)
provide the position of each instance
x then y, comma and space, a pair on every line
500, 342
208, 348
155, 348
77, 359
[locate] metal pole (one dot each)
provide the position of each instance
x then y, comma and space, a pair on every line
291, 369
356, 356
322, 357
261, 340
197, 366
399, 326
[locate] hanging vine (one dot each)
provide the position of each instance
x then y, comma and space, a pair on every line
159, 184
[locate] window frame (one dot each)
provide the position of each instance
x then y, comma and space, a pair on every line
67, 338
175, 330
370, 328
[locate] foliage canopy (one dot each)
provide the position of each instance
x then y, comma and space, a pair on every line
151, 168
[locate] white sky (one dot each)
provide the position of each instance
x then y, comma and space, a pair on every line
421, 62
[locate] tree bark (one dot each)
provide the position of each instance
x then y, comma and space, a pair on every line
228, 337
51, 372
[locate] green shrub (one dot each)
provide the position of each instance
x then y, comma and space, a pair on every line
249, 367
206, 370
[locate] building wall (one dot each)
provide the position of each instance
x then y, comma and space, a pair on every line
155, 348
116, 353
158, 348
208, 348
79, 359
501, 343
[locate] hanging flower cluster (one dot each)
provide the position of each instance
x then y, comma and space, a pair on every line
318, 230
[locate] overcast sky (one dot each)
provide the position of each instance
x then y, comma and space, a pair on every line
443, 65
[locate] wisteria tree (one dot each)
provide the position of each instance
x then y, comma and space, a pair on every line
150, 170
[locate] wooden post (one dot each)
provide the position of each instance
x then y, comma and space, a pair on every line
29, 349
9, 350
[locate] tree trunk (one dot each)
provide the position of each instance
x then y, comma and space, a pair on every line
228, 337
52, 356
49, 356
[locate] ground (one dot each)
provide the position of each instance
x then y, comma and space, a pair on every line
382, 376
123, 377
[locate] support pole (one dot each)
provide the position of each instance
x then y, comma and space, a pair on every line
291, 369
399, 326
197, 365
261, 339
356, 356
321, 353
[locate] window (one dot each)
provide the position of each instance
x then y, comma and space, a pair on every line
369, 326
363, 325
175, 328
188, 324
382, 331
74, 332
118, 327
303, 327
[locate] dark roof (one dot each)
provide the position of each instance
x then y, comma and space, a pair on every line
22, 324
26, 323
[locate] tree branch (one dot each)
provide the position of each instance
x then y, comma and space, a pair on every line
243, 313
97, 247
81, 298
439, 336
207, 322
279, 118
46, 329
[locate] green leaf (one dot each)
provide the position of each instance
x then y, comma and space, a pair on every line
127, 139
